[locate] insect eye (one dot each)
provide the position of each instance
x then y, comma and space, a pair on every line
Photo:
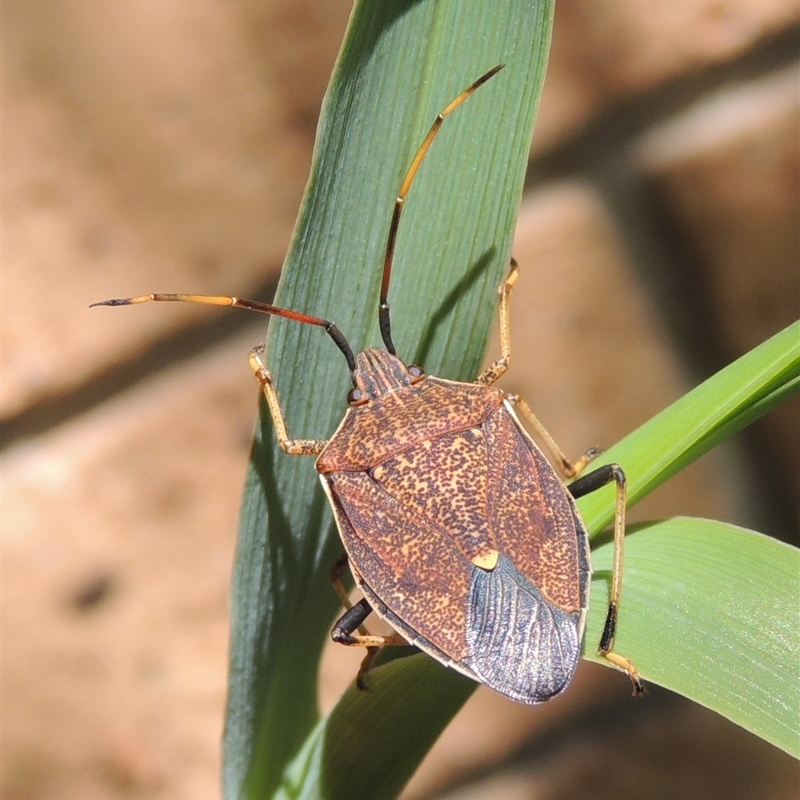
355, 397
416, 373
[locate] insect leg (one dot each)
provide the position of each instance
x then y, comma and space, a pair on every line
571, 469
344, 629
585, 485
337, 570
500, 366
295, 447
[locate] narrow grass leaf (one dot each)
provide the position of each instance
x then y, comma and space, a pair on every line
401, 63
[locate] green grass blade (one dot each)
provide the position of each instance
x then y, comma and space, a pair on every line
701, 419
372, 742
401, 63
712, 611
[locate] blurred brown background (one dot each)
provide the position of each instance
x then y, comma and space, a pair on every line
165, 146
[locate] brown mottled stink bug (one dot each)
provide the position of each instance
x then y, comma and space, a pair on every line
457, 529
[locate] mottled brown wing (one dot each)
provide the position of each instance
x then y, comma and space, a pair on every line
525, 618
409, 568
532, 515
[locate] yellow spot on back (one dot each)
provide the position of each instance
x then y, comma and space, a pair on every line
487, 561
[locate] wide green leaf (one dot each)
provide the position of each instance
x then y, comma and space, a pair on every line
712, 611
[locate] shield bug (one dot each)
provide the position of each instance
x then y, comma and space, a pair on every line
457, 529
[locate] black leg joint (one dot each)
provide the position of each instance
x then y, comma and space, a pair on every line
596, 479
350, 621
609, 629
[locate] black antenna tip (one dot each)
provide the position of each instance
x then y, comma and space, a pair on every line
119, 301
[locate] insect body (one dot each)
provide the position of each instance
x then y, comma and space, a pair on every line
458, 532
457, 529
